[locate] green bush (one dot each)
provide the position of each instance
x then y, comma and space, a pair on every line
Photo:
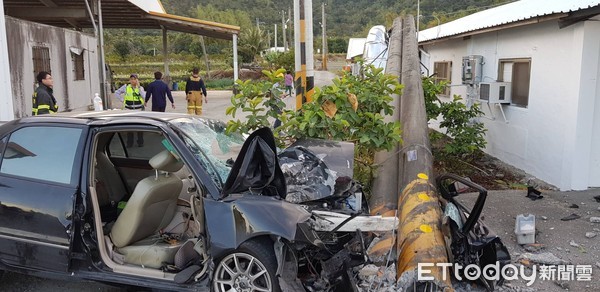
459, 121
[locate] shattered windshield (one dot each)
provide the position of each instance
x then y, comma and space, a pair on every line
213, 148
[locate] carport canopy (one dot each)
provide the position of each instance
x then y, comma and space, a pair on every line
133, 14
123, 14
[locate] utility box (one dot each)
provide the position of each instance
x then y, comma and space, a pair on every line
472, 69
495, 92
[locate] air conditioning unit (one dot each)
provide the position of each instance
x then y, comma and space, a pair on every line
495, 92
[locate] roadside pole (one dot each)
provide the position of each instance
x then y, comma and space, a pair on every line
420, 238
303, 52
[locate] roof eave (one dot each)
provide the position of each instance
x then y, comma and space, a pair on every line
524, 22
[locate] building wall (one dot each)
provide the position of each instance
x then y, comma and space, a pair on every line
71, 94
6, 100
541, 138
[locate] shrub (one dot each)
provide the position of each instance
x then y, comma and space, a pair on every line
459, 121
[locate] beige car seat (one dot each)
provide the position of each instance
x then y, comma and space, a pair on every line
110, 187
150, 208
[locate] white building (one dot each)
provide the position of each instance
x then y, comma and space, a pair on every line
549, 52
70, 56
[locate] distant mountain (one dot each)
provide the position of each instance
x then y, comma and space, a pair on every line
345, 18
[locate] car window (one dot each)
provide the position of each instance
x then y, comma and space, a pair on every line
46, 153
136, 144
116, 147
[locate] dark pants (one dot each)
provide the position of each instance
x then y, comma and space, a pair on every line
140, 139
158, 108
277, 121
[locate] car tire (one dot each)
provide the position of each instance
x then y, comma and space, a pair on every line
251, 267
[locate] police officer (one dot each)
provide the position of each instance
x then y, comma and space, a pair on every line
43, 99
132, 96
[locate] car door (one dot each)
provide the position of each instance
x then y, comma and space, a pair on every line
39, 172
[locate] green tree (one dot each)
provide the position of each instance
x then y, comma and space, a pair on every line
252, 42
122, 48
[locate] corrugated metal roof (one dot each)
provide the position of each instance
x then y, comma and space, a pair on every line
505, 14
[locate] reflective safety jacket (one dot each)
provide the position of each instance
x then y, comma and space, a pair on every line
133, 98
43, 102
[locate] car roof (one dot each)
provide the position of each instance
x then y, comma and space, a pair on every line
105, 117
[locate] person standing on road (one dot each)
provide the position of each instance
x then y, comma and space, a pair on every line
195, 89
289, 82
159, 91
132, 97
43, 101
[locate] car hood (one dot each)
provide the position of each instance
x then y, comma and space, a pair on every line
256, 169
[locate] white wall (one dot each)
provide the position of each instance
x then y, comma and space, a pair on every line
594, 173
6, 98
70, 94
540, 139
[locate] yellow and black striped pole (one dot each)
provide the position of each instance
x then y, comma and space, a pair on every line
303, 44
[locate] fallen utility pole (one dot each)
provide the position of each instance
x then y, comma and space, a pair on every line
420, 238
384, 198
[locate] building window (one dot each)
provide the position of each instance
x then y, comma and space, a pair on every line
53, 160
517, 72
41, 60
78, 68
442, 73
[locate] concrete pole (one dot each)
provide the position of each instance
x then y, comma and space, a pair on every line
7, 110
384, 199
324, 34
167, 75
275, 36
283, 31
292, 25
235, 58
420, 238
103, 91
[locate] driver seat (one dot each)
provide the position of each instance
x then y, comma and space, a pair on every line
151, 208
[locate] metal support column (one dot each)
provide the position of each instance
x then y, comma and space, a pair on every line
103, 91
235, 58
167, 75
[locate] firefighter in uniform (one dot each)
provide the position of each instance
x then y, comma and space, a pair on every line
132, 96
43, 101
195, 90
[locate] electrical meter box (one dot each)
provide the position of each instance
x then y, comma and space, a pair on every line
471, 69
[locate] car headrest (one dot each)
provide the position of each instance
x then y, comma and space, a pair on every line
165, 161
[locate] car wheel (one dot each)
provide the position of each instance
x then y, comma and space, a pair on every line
250, 268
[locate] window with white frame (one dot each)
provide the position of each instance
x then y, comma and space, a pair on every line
442, 73
518, 73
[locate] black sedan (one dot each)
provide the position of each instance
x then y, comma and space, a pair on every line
161, 200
